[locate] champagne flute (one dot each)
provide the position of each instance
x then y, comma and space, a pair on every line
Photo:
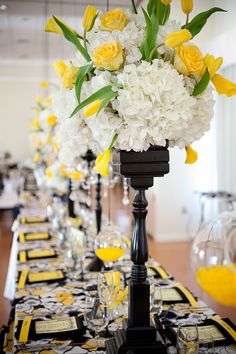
187, 338
94, 316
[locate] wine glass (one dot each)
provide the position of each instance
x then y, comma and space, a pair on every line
94, 316
206, 347
187, 338
77, 241
118, 304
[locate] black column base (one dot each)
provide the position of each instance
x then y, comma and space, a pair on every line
136, 340
96, 265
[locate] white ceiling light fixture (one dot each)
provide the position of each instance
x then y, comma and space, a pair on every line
3, 7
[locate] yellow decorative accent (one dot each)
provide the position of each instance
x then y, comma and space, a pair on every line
38, 292
187, 294
187, 6
191, 155
159, 270
21, 237
176, 39
226, 326
42, 253
213, 64
51, 120
23, 278
44, 84
114, 20
109, 254
166, 2
24, 332
102, 163
188, 60
92, 108
37, 236
219, 282
109, 56
89, 17
22, 256
224, 86
60, 67
45, 276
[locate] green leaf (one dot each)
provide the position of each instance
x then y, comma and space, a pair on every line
163, 12
134, 7
83, 71
106, 100
202, 84
72, 37
152, 7
199, 21
148, 46
99, 95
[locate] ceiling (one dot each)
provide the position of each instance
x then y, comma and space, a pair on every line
22, 38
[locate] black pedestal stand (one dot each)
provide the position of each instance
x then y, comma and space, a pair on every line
96, 264
70, 202
138, 335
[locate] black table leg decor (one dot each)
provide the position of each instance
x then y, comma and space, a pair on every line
138, 335
70, 203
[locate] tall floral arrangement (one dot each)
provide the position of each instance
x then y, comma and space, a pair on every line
140, 79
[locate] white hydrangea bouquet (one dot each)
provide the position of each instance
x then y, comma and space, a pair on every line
140, 79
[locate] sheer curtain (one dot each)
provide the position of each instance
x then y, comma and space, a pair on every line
226, 137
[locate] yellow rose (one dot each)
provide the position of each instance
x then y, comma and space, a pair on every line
166, 2
89, 17
213, 64
109, 56
188, 60
191, 155
102, 163
187, 6
92, 108
224, 86
114, 20
69, 77
60, 67
51, 120
175, 39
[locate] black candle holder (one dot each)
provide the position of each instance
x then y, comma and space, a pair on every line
70, 203
138, 335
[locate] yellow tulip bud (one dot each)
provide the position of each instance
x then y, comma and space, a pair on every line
36, 124
166, 2
187, 6
224, 86
213, 64
52, 26
44, 84
60, 67
102, 163
191, 155
48, 173
114, 20
175, 39
92, 108
51, 120
38, 99
188, 60
89, 17
37, 158
109, 56
69, 77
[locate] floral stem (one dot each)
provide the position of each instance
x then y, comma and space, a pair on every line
187, 19
113, 141
134, 7
85, 40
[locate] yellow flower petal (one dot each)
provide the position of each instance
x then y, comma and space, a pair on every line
114, 20
166, 2
109, 56
69, 76
36, 124
51, 120
224, 86
37, 158
187, 6
188, 60
191, 155
48, 173
60, 67
213, 64
89, 17
102, 163
44, 84
47, 101
175, 39
92, 108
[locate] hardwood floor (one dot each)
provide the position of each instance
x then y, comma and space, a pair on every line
175, 257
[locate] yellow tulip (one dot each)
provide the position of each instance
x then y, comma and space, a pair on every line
89, 18
213, 64
37, 158
36, 124
44, 84
191, 155
224, 86
69, 77
52, 26
51, 120
60, 67
38, 99
175, 39
187, 6
166, 2
109, 56
102, 163
92, 108
188, 60
114, 20
48, 173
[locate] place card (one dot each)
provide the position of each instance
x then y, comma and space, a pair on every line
32, 220
41, 253
45, 276
176, 294
55, 326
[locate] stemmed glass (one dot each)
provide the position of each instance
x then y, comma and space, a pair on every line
187, 338
77, 241
206, 347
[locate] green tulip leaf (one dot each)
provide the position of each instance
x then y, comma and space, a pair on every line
72, 37
199, 21
83, 71
202, 84
148, 47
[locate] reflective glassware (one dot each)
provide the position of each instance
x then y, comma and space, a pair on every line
187, 339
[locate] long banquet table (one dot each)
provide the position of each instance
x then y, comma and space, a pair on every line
64, 298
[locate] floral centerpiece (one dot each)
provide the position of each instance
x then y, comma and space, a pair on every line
140, 80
